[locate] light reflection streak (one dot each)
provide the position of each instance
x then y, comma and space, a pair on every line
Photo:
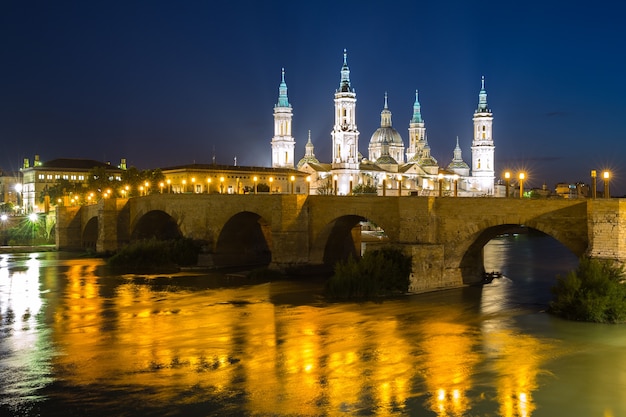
448, 364
515, 358
23, 341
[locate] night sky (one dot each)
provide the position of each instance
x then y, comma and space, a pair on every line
164, 83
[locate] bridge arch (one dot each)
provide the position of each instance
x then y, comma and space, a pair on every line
155, 224
90, 234
472, 262
339, 239
245, 239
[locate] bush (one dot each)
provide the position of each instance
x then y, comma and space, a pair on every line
377, 273
155, 255
594, 292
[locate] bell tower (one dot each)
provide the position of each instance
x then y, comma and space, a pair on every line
483, 149
283, 144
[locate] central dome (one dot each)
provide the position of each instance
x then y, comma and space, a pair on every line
386, 135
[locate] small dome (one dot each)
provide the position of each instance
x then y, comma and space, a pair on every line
386, 135
386, 159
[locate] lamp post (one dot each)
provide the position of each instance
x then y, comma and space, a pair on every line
33, 219
208, 185
594, 180
292, 178
399, 178
147, 184
440, 181
184, 190
4, 219
521, 184
308, 185
193, 185
169, 185
507, 182
271, 179
606, 176
456, 185
335, 179
384, 185
255, 179
18, 194
161, 185
350, 191
221, 185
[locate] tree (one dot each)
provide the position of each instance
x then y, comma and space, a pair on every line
325, 186
364, 189
594, 292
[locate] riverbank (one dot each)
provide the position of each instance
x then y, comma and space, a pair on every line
27, 248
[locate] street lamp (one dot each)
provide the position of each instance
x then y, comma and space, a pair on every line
440, 181
292, 178
606, 176
456, 185
184, 186
271, 180
384, 185
18, 193
161, 185
193, 184
308, 185
208, 186
4, 219
221, 185
507, 182
594, 180
33, 219
335, 182
521, 184
255, 179
399, 178
147, 184
169, 185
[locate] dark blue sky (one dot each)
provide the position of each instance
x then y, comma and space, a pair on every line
163, 83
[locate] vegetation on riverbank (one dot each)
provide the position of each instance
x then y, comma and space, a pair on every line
378, 273
155, 256
594, 292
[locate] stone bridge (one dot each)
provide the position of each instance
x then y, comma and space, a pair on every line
444, 235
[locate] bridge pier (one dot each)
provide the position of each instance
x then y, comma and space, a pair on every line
68, 228
607, 229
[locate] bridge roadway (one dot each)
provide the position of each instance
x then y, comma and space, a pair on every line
444, 235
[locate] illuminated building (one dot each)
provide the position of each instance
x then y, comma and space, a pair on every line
36, 179
386, 169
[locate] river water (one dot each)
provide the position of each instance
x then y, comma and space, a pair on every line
77, 341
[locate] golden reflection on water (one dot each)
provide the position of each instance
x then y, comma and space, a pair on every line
449, 361
343, 358
516, 359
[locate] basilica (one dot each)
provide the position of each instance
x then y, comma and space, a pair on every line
391, 167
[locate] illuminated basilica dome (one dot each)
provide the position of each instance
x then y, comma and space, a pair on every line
386, 141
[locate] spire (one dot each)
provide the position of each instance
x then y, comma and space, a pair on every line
457, 161
457, 151
482, 98
308, 148
344, 85
283, 101
417, 111
385, 115
309, 154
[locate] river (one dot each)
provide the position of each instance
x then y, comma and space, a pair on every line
78, 341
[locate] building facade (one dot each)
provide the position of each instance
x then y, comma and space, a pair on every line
391, 168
